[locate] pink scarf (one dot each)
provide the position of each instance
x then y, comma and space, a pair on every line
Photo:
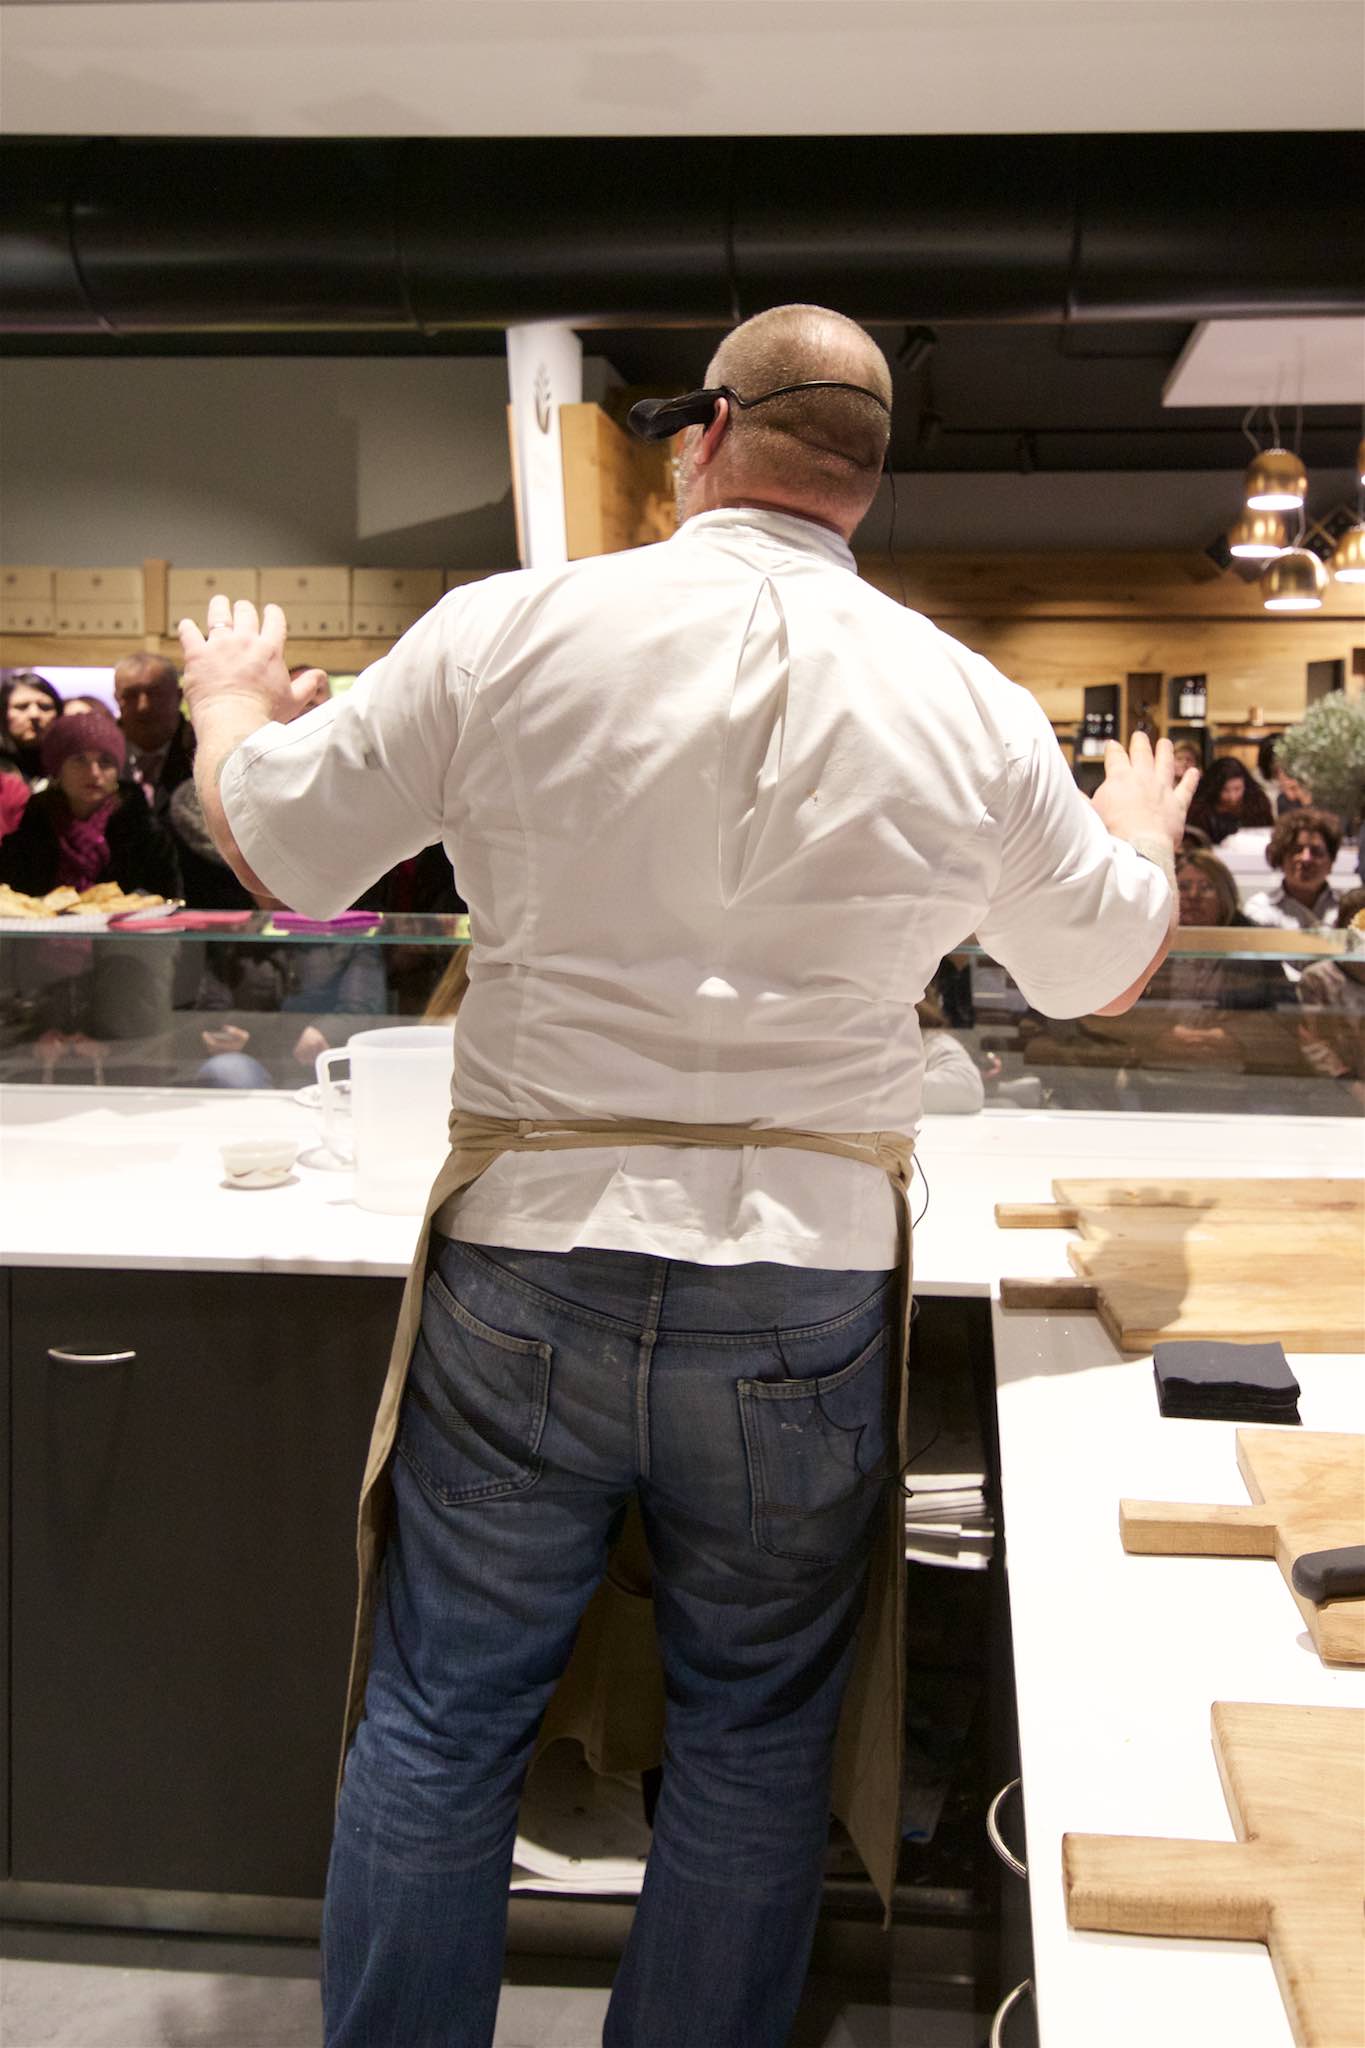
82, 847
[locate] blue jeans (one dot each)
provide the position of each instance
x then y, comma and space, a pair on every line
748, 1409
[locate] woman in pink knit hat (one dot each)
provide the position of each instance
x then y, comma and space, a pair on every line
88, 825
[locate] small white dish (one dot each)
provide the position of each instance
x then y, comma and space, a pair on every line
259, 1162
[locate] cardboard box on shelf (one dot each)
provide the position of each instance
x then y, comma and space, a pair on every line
412, 591
27, 614
109, 615
188, 590
316, 601
105, 587
319, 589
27, 583
317, 622
380, 622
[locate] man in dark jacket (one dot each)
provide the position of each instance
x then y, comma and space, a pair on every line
160, 738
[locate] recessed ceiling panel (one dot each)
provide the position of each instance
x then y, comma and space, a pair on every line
1271, 362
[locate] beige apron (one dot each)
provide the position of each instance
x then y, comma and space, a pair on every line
611, 1695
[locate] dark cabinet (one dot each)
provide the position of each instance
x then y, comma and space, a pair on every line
186, 1453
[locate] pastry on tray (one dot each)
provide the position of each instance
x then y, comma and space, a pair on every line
67, 902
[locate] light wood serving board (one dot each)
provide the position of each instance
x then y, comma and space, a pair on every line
1245, 1260
1294, 1780
1307, 1492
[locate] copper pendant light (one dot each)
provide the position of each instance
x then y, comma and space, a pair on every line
1258, 537
1348, 558
1276, 481
1293, 582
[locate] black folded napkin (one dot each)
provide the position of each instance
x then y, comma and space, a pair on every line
1225, 1382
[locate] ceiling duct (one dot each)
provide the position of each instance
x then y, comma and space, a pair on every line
123, 238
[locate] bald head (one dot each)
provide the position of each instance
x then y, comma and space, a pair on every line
814, 452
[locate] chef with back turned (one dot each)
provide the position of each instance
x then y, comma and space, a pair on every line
719, 808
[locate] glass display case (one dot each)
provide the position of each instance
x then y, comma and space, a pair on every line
1238, 1019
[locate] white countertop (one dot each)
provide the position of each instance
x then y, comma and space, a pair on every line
1118, 1659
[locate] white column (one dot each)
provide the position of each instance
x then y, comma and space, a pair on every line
544, 371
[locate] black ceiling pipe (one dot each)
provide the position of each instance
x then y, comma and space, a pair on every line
124, 238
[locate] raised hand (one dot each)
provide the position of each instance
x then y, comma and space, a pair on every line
240, 661
1140, 797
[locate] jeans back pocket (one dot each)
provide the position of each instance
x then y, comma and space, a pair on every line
474, 1406
816, 1453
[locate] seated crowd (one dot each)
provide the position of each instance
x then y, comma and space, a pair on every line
86, 798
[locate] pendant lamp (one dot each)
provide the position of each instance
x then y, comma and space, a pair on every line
1258, 537
1275, 482
1293, 582
1348, 559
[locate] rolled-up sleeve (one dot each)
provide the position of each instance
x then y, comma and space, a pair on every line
322, 807
1076, 915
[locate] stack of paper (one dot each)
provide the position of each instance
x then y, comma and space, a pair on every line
947, 1517
579, 1831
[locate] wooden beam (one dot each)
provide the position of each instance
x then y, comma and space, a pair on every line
155, 620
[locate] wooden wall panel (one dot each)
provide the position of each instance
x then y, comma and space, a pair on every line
1259, 665
618, 492
1056, 623
1089, 584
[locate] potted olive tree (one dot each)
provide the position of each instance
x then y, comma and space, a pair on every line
1326, 752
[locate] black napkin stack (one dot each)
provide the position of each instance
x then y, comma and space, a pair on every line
1225, 1382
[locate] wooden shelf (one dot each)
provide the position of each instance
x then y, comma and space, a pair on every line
52, 650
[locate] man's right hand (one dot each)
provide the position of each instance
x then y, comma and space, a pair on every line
1140, 797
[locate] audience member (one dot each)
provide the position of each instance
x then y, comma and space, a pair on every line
1208, 1021
1205, 1020
160, 738
207, 881
1207, 889
1302, 846
1332, 995
14, 796
1279, 787
28, 707
1226, 800
1187, 756
321, 692
87, 825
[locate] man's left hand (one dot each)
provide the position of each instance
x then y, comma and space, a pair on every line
240, 663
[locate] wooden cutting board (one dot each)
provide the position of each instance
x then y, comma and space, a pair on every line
1307, 1491
1294, 1780
1247, 1260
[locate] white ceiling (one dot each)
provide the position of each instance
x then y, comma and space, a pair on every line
1283, 363
678, 67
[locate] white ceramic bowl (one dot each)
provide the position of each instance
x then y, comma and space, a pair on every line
259, 1162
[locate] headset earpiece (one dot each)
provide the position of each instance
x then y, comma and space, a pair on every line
658, 419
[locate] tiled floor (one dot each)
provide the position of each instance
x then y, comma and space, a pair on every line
268, 1998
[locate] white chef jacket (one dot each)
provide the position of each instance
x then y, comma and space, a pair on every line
718, 808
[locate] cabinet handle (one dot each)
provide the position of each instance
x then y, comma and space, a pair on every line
1006, 2007
62, 1357
997, 1840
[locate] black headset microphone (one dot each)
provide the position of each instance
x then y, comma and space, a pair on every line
658, 419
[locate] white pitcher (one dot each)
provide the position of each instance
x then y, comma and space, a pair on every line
400, 1108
